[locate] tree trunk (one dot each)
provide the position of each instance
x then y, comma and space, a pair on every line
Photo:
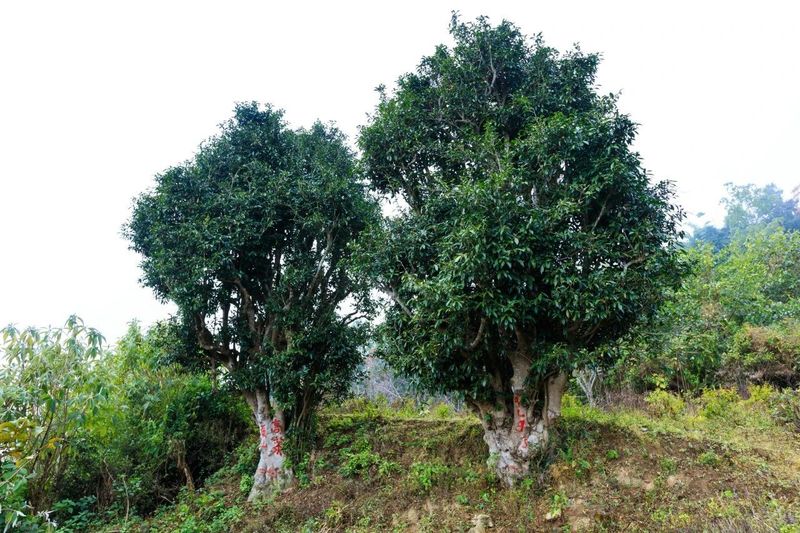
271, 473
179, 451
516, 433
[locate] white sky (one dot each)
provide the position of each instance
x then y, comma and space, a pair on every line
97, 97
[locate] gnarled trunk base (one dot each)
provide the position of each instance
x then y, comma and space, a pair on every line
515, 438
271, 473
510, 452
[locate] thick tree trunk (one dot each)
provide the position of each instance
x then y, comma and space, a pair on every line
515, 434
271, 473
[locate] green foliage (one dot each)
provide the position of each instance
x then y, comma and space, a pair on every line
157, 418
709, 458
718, 403
91, 433
733, 320
750, 208
765, 354
81, 514
424, 475
443, 411
519, 180
664, 403
205, 511
786, 407
405, 408
250, 240
360, 459
668, 465
48, 388
14, 506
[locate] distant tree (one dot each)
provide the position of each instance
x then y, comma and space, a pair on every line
531, 235
250, 239
718, 238
753, 281
748, 209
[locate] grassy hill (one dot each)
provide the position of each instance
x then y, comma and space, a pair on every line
717, 463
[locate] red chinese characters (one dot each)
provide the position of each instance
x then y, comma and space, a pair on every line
277, 445
270, 473
277, 438
263, 443
520, 413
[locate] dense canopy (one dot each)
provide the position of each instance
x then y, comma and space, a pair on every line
532, 234
249, 239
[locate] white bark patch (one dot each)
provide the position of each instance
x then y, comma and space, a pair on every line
511, 450
271, 473
555, 390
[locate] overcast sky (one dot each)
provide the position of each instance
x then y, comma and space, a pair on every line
97, 97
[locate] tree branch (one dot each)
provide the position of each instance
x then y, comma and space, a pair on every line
351, 317
393, 295
632, 262
478, 336
321, 266
602, 212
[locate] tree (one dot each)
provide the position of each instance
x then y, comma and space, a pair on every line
47, 389
250, 239
749, 209
530, 237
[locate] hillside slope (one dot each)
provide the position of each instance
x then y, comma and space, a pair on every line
716, 464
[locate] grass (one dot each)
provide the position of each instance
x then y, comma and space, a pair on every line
714, 463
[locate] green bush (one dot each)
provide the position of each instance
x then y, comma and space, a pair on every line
664, 403
786, 407
152, 417
423, 476
719, 403
360, 459
443, 411
709, 458
764, 354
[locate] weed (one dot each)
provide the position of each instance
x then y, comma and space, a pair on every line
245, 483
470, 476
334, 513
709, 458
558, 502
668, 465
360, 459
443, 411
424, 475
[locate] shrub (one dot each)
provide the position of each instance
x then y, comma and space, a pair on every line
761, 393
360, 459
764, 354
443, 411
718, 403
663, 403
786, 407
